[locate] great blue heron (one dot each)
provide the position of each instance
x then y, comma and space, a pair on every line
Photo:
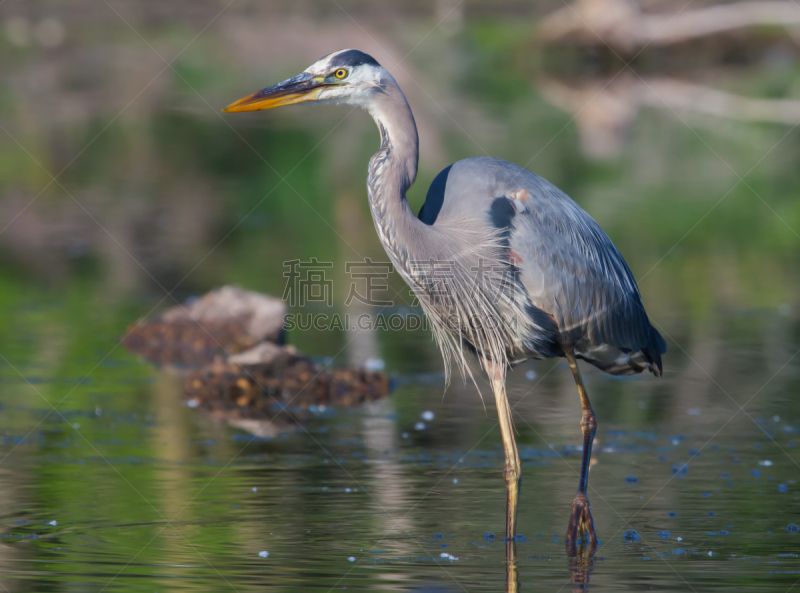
502, 261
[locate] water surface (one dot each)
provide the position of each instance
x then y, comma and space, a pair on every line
111, 483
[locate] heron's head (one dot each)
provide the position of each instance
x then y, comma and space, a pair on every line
346, 76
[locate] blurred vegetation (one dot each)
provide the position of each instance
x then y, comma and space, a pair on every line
158, 197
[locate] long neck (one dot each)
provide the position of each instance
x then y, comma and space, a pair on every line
392, 170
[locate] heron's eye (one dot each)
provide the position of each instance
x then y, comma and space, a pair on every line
340, 73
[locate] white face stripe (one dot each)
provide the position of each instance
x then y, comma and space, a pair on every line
364, 76
323, 65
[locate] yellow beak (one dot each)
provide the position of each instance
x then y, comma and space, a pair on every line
298, 89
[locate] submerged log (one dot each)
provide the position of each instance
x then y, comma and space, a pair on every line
227, 345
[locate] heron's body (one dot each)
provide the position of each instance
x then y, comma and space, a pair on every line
502, 261
580, 291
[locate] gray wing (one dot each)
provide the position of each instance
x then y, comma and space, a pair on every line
571, 269
568, 265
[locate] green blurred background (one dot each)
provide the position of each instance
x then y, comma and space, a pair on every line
124, 190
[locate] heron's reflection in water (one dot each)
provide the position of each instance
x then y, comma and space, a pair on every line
580, 557
581, 562
512, 574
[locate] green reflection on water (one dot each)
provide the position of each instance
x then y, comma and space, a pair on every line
178, 198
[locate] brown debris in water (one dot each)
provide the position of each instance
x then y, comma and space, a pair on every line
225, 321
225, 341
186, 343
260, 390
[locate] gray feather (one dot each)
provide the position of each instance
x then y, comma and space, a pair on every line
570, 269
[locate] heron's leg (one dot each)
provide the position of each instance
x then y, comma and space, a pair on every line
580, 521
511, 470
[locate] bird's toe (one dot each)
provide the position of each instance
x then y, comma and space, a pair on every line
581, 523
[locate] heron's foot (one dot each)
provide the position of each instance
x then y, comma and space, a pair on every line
581, 523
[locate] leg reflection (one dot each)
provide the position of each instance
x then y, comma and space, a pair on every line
512, 576
581, 561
